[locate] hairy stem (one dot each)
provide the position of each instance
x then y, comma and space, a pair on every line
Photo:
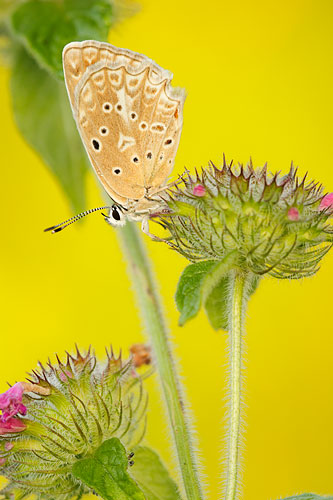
238, 305
151, 309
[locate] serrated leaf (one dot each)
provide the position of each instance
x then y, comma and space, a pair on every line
46, 26
308, 496
106, 472
188, 294
152, 476
43, 115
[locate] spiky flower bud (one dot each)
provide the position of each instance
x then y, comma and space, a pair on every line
63, 414
274, 224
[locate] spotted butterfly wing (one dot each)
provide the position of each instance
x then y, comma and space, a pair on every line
129, 117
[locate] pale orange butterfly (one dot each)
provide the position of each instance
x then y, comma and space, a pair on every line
130, 121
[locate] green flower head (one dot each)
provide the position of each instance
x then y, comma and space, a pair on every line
275, 224
63, 414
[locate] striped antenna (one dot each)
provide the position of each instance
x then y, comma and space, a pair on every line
68, 222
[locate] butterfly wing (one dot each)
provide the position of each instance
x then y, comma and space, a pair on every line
128, 115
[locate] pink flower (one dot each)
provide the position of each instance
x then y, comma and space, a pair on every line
199, 190
12, 425
11, 402
293, 214
8, 446
2, 461
326, 202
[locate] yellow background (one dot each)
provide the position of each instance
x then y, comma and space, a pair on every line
259, 81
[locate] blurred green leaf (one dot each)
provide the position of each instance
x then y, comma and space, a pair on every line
308, 496
46, 26
43, 115
6, 6
152, 476
106, 472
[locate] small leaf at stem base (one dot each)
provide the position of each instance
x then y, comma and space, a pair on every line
208, 283
152, 476
216, 305
106, 472
188, 294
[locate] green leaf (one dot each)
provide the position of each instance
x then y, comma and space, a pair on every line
253, 284
188, 294
197, 286
308, 496
43, 115
215, 292
152, 476
216, 305
217, 301
207, 283
46, 26
106, 472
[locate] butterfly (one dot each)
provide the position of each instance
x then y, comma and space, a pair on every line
130, 121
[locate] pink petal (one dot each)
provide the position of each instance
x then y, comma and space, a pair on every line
199, 190
12, 425
11, 402
8, 446
326, 202
293, 214
13, 393
2, 461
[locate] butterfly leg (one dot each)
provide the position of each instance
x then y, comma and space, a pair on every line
145, 230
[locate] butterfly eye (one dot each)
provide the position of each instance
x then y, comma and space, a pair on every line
107, 107
115, 213
133, 116
96, 144
116, 217
143, 126
116, 171
149, 155
135, 159
168, 142
119, 107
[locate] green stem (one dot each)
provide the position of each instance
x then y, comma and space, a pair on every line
151, 309
238, 305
